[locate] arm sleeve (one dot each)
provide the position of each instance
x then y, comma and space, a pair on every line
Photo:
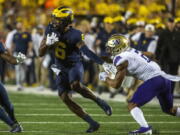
136, 37
9, 40
85, 50
152, 46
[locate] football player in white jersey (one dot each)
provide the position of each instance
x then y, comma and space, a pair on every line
156, 83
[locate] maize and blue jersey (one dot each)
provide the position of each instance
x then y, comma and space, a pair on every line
65, 51
67, 57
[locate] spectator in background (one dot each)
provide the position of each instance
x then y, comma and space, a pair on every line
177, 25
22, 43
89, 66
9, 39
37, 36
145, 41
168, 49
104, 34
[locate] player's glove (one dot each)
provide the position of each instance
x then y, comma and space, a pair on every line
103, 76
109, 68
20, 58
55, 69
51, 39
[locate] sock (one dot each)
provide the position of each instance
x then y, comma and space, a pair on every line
10, 110
4, 117
139, 117
178, 112
88, 119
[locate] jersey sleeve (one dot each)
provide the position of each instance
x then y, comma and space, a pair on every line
2, 49
118, 60
78, 37
48, 30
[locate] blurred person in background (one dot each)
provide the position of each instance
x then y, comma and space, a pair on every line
22, 42
168, 48
177, 23
37, 36
89, 66
9, 39
145, 41
119, 24
103, 35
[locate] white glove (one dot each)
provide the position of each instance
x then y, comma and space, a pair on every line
103, 76
20, 58
109, 68
55, 69
51, 39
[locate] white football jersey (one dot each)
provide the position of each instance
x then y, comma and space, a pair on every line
139, 65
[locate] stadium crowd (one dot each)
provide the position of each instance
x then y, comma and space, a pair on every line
149, 25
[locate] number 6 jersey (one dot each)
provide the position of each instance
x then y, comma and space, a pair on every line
65, 51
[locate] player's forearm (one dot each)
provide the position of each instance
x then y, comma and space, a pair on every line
117, 81
149, 55
9, 58
107, 59
113, 83
30, 49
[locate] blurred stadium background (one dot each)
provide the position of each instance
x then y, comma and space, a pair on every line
151, 25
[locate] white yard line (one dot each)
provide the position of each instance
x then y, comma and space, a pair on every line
66, 109
99, 115
99, 132
101, 122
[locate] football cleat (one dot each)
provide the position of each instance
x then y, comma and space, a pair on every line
107, 109
16, 128
142, 130
93, 128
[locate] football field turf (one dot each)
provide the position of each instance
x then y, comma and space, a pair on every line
47, 115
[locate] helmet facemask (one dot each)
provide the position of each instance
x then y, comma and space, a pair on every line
62, 17
60, 23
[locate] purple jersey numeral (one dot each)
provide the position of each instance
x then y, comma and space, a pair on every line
143, 56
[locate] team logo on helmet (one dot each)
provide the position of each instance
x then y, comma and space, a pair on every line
117, 43
62, 17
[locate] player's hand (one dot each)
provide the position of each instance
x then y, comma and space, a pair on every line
103, 76
51, 39
109, 68
20, 58
55, 69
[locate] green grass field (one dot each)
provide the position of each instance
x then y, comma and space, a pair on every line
47, 115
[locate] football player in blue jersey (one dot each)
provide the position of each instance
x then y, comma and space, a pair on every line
66, 44
6, 108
